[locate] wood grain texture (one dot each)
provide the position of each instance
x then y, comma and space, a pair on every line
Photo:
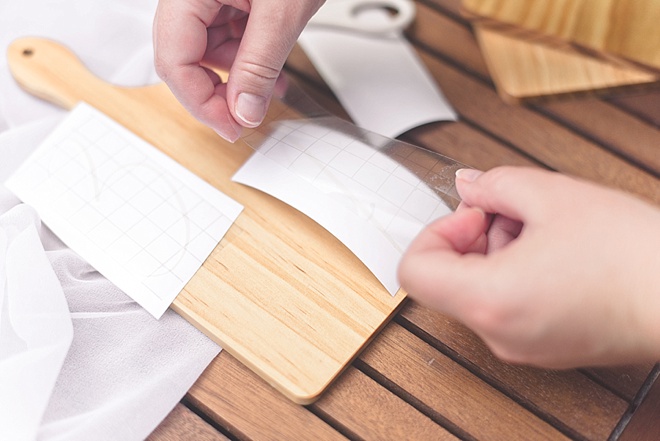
613, 127
624, 380
610, 125
183, 424
551, 49
248, 408
548, 142
628, 28
644, 106
279, 292
526, 69
481, 411
383, 415
645, 425
568, 397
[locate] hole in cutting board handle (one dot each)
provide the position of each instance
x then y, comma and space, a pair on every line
28, 52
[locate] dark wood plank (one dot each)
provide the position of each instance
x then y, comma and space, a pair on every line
450, 6
624, 380
568, 397
452, 39
369, 411
645, 106
450, 390
611, 127
537, 135
645, 423
248, 408
547, 141
465, 144
182, 423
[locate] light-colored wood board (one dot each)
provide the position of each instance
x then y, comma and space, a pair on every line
525, 70
556, 49
628, 28
482, 411
279, 292
236, 399
567, 396
183, 424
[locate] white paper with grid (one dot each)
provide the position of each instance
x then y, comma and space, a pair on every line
140, 218
369, 201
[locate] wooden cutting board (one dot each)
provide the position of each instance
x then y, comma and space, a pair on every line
279, 292
548, 49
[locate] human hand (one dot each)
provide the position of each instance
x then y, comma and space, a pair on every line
250, 38
564, 274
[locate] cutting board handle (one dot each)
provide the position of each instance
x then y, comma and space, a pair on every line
50, 71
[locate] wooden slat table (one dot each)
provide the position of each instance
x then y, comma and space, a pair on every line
426, 376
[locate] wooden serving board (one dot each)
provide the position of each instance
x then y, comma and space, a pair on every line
547, 49
279, 292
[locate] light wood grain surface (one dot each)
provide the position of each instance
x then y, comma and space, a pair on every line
544, 50
628, 28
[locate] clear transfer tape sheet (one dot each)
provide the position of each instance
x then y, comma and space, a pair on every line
373, 193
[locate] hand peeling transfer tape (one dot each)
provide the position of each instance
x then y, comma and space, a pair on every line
373, 193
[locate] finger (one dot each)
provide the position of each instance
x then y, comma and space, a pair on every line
180, 39
223, 42
502, 231
518, 193
457, 231
272, 30
435, 270
473, 230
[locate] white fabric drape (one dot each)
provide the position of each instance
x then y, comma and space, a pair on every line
79, 360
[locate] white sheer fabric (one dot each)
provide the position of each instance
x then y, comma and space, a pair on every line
79, 360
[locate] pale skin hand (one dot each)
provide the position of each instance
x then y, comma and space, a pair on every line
566, 274
249, 38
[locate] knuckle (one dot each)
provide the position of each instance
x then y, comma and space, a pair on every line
499, 177
162, 67
260, 71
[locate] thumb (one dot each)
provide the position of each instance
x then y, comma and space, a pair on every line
271, 31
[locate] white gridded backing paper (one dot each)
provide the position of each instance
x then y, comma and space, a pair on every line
373, 193
140, 218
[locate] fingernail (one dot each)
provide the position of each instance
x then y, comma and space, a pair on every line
231, 130
231, 137
251, 109
480, 211
468, 174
